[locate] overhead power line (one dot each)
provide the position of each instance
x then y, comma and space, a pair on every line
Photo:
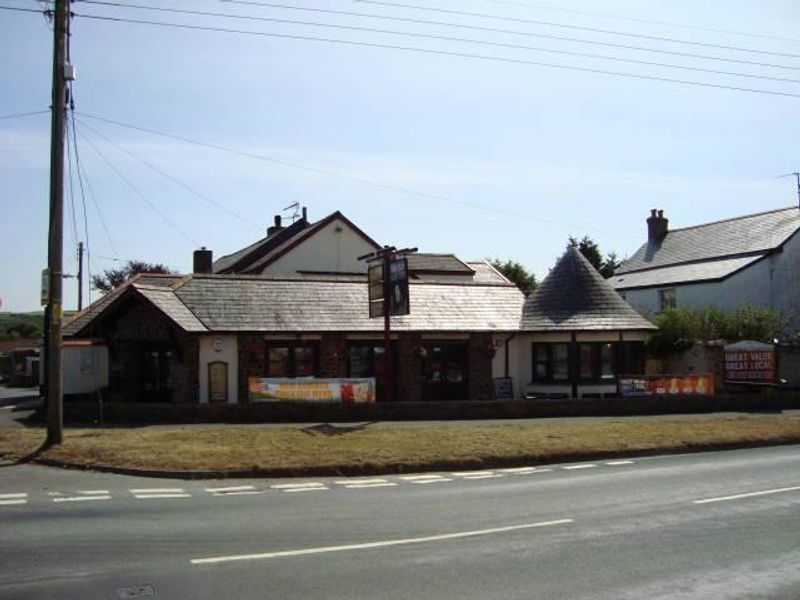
619, 17
26, 114
173, 179
482, 57
576, 27
38, 11
459, 40
512, 32
343, 176
139, 194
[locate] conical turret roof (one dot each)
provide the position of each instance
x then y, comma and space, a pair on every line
575, 297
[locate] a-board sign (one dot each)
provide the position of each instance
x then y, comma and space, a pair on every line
503, 388
750, 361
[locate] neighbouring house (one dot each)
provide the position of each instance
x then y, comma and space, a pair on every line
577, 335
749, 260
294, 304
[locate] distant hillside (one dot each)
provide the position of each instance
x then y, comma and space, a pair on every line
21, 325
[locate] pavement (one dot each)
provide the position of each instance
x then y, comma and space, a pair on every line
17, 404
695, 526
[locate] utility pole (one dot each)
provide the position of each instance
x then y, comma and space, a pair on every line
55, 242
80, 275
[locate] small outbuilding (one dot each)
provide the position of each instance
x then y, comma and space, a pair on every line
577, 335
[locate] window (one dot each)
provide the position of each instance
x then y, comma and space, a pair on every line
666, 299
597, 361
551, 362
292, 360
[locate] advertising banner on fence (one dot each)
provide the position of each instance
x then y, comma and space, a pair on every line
312, 390
667, 385
750, 362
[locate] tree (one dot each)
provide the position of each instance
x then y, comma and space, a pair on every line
518, 274
111, 278
589, 248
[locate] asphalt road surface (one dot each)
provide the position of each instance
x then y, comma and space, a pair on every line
700, 526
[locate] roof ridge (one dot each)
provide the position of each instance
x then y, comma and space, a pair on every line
697, 261
728, 220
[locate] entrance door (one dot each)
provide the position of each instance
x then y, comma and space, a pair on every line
366, 359
154, 378
446, 371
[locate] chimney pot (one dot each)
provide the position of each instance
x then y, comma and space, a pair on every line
657, 226
203, 261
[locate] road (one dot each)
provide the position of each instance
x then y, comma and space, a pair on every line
711, 525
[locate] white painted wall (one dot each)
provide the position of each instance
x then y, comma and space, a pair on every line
85, 368
219, 348
773, 282
335, 248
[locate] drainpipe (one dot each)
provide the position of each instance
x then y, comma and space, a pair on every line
508, 339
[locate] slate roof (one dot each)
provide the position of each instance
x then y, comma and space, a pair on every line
77, 322
242, 259
230, 303
422, 262
486, 273
748, 236
296, 305
712, 270
575, 297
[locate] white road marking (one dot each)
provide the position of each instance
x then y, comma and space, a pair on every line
239, 488
427, 481
748, 495
242, 493
156, 496
473, 473
81, 498
519, 470
94, 492
492, 476
617, 463
424, 479
383, 544
292, 486
364, 486
12, 502
307, 489
579, 467
157, 491
349, 482
12, 496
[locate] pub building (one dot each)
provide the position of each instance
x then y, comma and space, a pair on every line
295, 305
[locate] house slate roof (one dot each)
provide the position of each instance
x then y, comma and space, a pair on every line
243, 258
486, 273
749, 235
422, 262
711, 270
168, 303
575, 297
80, 320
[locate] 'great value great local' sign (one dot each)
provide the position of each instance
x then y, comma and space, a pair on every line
750, 361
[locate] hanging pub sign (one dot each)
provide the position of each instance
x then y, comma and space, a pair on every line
750, 361
397, 288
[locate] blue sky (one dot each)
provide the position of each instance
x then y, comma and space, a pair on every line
498, 159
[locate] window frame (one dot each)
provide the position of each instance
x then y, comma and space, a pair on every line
667, 298
550, 362
291, 361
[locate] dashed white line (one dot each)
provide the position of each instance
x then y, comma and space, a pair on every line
297, 486
81, 498
307, 489
160, 496
382, 544
366, 486
471, 474
424, 479
159, 493
748, 495
579, 467
13, 496
618, 463
238, 488
13, 502
349, 482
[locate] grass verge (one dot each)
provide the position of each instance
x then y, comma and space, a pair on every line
288, 451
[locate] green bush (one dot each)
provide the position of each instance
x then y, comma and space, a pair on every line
679, 329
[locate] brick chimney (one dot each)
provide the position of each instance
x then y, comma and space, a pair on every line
657, 226
203, 261
275, 228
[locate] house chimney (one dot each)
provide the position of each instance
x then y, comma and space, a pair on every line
203, 260
305, 214
657, 226
275, 228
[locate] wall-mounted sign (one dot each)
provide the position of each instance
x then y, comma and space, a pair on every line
667, 385
218, 345
750, 362
312, 390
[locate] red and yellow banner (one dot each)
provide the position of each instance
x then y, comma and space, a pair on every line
312, 390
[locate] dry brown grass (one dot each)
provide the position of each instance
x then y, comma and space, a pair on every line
230, 447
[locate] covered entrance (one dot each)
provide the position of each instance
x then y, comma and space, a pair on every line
446, 368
